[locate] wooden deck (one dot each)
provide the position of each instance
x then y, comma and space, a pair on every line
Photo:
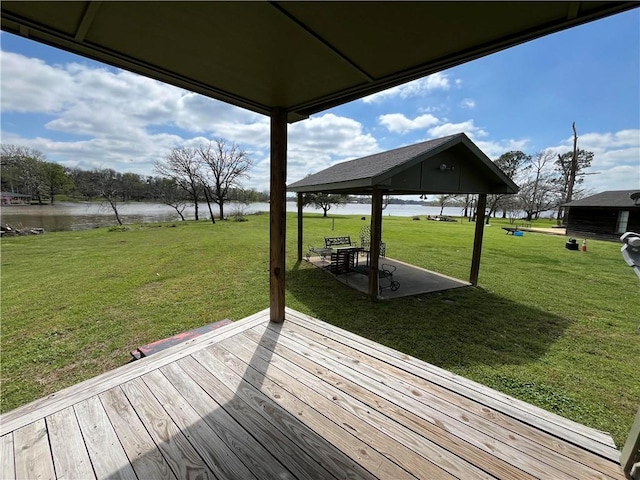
303, 400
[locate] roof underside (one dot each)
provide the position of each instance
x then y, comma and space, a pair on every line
303, 57
452, 164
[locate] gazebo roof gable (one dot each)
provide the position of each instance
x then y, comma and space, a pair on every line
452, 164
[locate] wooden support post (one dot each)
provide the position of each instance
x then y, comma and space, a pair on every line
477, 240
300, 239
631, 451
376, 233
277, 214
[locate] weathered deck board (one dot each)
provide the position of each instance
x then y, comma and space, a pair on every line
429, 439
70, 455
328, 446
143, 454
444, 407
7, 464
180, 454
31, 450
105, 451
298, 400
287, 441
246, 447
434, 426
219, 456
378, 430
597, 441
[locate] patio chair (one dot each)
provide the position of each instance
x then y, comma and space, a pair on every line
342, 261
365, 241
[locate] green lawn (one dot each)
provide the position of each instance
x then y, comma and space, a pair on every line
554, 327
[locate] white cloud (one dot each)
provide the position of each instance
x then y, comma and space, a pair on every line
106, 118
30, 85
116, 119
398, 123
467, 127
468, 103
416, 88
493, 149
321, 141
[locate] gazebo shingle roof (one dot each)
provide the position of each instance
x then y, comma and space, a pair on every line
381, 169
371, 166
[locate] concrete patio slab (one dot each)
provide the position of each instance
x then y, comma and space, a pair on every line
413, 280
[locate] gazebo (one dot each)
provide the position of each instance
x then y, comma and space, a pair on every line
452, 164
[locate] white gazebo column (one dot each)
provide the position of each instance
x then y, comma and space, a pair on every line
277, 214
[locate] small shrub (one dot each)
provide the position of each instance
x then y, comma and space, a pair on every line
238, 212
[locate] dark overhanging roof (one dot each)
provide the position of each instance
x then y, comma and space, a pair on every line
452, 164
610, 198
303, 57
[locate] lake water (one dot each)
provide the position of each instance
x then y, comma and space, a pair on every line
82, 216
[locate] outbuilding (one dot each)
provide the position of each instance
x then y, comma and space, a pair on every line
605, 216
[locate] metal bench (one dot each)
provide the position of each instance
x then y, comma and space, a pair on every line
330, 245
337, 242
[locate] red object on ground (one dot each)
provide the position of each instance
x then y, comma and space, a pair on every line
159, 345
584, 245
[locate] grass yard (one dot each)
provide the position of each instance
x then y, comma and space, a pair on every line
554, 327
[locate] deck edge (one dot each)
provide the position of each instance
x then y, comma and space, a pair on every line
66, 397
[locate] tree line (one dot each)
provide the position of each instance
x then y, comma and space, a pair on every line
212, 172
208, 173
547, 181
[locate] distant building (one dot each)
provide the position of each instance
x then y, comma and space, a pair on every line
605, 216
10, 198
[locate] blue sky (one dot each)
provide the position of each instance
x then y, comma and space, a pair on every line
82, 113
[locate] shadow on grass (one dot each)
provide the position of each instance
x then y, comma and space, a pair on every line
454, 329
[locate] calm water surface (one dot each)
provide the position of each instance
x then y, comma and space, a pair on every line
82, 216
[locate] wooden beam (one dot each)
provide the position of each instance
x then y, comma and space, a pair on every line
631, 450
300, 231
87, 19
376, 234
277, 214
477, 240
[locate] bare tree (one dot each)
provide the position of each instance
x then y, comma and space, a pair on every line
183, 167
170, 194
570, 166
223, 166
443, 200
539, 193
109, 185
